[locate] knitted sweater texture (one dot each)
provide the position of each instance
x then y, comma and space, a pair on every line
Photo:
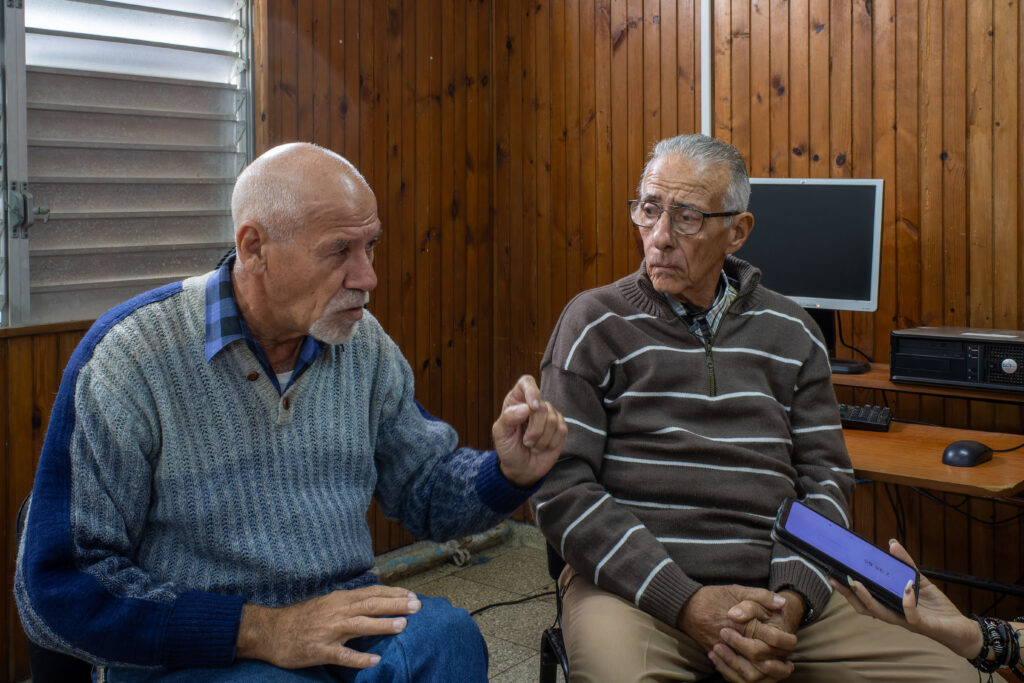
171, 491
679, 453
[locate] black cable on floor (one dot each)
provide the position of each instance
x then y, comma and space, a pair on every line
510, 602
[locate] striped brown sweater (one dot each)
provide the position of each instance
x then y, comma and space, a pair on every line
678, 453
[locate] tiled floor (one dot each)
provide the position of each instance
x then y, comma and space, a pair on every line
515, 569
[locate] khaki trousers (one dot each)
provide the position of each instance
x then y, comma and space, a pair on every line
611, 641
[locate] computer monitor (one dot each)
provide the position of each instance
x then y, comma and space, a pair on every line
817, 241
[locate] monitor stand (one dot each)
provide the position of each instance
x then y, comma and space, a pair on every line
826, 320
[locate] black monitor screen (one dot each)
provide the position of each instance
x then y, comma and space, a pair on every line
817, 241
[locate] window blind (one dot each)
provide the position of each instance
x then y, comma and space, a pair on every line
136, 117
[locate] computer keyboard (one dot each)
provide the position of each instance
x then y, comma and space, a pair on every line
872, 418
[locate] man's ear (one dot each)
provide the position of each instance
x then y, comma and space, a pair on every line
739, 231
251, 246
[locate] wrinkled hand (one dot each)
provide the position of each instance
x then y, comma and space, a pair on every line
932, 615
751, 658
314, 632
528, 434
759, 652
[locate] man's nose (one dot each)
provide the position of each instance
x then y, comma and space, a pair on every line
661, 233
361, 275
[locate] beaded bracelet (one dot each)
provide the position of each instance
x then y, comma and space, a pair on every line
1000, 640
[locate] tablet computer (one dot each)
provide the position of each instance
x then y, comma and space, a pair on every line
844, 553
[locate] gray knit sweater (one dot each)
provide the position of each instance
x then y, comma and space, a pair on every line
679, 453
171, 490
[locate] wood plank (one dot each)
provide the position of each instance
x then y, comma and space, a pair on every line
862, 135
778, 89
534, 237
931, 156
517, 305
588, 155
636, 153
351, 106
606, 210
1006, 267
721, 69
622, 184
740, 75
304, 71
573, 150
979, 164
650, 35
882, 22
688, 67
760, 75
261, 102
320, 103
486, 161
549, 302
502, 174
799, 89
454, 366
22, 425
475, 271
370, 149
668, 68
818, 74
560, 168
450, 304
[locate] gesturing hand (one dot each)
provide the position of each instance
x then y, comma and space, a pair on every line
759, 653
528, 434
932, 614
314, 632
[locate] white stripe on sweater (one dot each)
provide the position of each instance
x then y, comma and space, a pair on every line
672, 463
561, 548
794, 558
599, 432
726, 439
629, 532
714, 541
679, 506
645, 349
643, 586
823, 428
699, 397
799, 322
586, 329
822, 496
757, 352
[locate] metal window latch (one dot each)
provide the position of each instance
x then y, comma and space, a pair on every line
21, 212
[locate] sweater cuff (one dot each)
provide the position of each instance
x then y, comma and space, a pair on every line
497, 492
808, 582
202, 631
667, 592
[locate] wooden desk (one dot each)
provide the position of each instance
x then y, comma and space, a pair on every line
911, 454
878, 378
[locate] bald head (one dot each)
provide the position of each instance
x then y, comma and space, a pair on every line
284, 185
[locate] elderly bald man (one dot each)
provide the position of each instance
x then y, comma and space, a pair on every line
199, 510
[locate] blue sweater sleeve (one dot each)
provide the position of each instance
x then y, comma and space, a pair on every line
436, 490
77, 587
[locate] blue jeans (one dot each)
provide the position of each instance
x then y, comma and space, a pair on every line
440, 643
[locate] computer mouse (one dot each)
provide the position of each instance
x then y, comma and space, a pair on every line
966, 454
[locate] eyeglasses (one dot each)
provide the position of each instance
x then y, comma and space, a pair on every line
684, 220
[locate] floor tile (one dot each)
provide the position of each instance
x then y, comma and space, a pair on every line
521, 624
466, 594
521, 570
505, 655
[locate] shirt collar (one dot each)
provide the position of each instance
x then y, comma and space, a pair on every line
225, 325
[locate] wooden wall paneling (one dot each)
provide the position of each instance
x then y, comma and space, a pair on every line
667, 19
841, 116
687, 67
560, 166
486, 160
819, 72
883, 165
606, 210
358, 65
388, 294
636, 153
504, 208
335, 109
798, 89
532, 345
649, 32
287, 54
474, 272
548, 298
261, 50
864, 131
573, 149
758, 42
587, 238
740, 75
622, 190
450, 302
454, 365
778, 89
304, 60
9, 625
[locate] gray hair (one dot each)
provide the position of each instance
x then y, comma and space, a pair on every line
707, 151
270, 190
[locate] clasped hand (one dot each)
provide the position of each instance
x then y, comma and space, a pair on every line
748, 633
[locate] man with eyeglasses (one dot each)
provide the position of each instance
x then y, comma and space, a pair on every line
697, 401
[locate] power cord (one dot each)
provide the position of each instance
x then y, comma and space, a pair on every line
510, 602
839, 331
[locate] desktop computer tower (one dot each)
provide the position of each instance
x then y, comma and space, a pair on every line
958, 356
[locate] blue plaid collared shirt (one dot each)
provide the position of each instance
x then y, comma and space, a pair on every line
705, 323
225, 325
